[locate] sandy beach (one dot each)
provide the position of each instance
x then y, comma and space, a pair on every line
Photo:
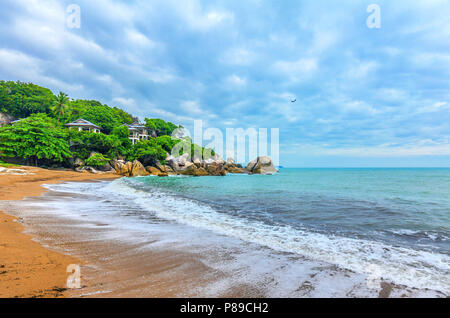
126, 251
27, 269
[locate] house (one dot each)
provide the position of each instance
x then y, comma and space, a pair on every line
137, 132
82, 124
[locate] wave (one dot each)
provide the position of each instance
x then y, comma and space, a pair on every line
431, 235
413, 268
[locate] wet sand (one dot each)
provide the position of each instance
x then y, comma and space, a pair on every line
27, 269
142, 266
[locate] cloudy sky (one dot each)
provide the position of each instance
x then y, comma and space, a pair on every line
365, 97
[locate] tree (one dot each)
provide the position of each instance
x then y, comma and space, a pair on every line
97, 160
83, 143
161, 127
34, 138
23, 99
60, 106
148, 152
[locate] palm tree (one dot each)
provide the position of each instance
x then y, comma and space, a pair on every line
60, 105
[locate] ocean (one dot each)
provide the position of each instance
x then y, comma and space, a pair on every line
367, 224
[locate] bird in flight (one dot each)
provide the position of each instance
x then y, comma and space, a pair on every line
293, 101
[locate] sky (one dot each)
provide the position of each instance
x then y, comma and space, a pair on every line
366, 97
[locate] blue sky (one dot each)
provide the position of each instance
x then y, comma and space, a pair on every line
365, 97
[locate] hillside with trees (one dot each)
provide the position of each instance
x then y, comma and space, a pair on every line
40, 137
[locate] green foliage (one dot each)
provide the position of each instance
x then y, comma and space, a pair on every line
34, 138
60, 105
83, 143
97, 160
7, 165
103, 116
123, 117
161, 127
23, 99
148, 152
186, 145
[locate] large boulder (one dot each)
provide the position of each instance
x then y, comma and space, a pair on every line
105, 168
161, 167
189, 170
201, 172
261, 165
138, 169
215, 169
233, 169
122, 168
154, 171
197, 162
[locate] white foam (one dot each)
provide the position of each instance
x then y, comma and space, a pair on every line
414, 268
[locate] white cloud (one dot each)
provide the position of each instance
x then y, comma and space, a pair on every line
238, 56
236, 81
360, 70
296, 70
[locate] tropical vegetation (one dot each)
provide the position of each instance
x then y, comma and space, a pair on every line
40, 136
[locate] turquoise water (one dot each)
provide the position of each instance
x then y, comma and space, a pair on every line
286, 228
408, 207
397, 220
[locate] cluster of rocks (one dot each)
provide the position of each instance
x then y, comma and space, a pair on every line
261, 165
183, 165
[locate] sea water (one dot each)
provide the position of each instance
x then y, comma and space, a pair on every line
393, 222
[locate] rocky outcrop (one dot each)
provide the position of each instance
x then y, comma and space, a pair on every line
261, 165
216, 169
138, 170
182, 165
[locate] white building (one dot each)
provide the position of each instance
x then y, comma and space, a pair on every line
82, 124
137, 132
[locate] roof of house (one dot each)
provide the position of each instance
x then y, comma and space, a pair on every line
82, 123
136, 126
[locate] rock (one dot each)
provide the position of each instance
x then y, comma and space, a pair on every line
197, 162
162, 174
138, 169
182, 160
218, 159
154, 171
200, 172
251, 165
230, 161
172, 162
105, 168
161, 167
215, 169
261, 165
123, 168
86, 169
189, 170
129, 167
78, 162
234, 169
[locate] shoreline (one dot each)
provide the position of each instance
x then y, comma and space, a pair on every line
159, 258
27, 268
